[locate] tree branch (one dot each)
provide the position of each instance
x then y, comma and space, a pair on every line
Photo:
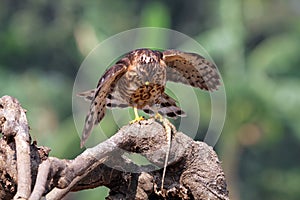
16, 125
193, 171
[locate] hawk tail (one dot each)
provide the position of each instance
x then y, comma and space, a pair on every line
167, 107
87, 95
95, 115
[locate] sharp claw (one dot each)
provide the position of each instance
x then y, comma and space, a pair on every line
137, 119
158, 117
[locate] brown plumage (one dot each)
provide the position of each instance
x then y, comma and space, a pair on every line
138, 80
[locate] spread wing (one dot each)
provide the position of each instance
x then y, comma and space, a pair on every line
191, 69
98, 98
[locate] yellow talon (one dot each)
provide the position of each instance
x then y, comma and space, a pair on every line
137, 118
159, 117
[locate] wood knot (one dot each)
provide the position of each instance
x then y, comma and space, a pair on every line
2, 120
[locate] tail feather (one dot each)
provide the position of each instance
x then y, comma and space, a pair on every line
95, 115
87, 95
114, 100
167, 107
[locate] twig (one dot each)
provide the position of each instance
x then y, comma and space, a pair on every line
168, 128
57, 193
23, 158
41, 180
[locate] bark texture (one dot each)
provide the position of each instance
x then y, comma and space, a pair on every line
193, 172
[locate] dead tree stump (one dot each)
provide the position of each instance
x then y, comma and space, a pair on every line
193, 172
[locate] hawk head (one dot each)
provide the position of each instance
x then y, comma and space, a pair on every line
145, 56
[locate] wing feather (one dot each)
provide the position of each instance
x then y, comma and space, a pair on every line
98, 102
191, 69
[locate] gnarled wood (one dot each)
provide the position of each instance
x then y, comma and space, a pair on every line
193, 172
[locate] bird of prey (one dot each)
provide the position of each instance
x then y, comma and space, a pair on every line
138, 80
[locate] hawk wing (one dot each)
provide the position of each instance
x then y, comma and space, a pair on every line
98, 98
191, 69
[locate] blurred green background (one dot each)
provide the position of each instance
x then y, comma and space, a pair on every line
255, 43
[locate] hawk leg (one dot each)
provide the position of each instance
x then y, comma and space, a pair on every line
137, 118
